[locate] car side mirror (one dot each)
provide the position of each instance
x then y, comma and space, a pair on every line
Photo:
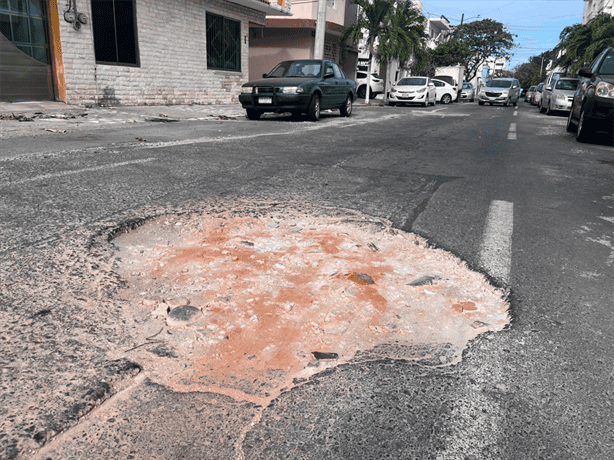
431, 84
548, 88
585, 72
264, 75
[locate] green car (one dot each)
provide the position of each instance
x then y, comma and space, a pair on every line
303, 86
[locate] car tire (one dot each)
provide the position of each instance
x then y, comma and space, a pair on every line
506, 103
426, 102
541, 108
549, 110
472, 99
481, 102
571, 126
516, 103
584, 133
253, 114
362, 92
346, 108
446, 99
392, 103
314, 108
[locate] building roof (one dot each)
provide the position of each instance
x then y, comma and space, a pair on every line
273, 8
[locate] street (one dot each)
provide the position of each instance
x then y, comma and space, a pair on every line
89, 371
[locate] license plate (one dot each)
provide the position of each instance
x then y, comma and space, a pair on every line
265, 100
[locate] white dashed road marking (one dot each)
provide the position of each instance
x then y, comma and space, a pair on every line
496, 247
511, 135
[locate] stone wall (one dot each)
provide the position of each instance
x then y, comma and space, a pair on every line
172, 53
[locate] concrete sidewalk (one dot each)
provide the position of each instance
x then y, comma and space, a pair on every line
32, 118
45, 117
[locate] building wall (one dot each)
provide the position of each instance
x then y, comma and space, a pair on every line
270, 46
172, 54
594, 7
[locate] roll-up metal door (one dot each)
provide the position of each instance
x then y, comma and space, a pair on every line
25, 71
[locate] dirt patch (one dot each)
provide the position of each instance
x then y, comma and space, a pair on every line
252, 301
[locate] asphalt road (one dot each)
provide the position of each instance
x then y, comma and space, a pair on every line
507, 190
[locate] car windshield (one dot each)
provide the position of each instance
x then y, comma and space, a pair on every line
500, 84
532, 88
412, 82
296, 69
607, 67
567, 85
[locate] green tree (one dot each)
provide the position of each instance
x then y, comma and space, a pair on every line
581, 43
473, 44
372, 23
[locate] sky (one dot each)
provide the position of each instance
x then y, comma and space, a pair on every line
538, 23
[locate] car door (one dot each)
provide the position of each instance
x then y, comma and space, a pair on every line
329, 86
439, 89
432, 89
342, 86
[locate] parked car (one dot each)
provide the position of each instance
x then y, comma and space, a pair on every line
468, 92
377, 84
528, 97
537, 97
551, 78
504, 91
413, 90
446, 93
302, 86
593, 103
558, 98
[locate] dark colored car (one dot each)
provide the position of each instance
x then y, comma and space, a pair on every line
593, 103
302, 86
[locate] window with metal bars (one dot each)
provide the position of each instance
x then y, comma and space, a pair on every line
114, 27
223, 43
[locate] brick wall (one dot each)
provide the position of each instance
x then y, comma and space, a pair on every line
172, 54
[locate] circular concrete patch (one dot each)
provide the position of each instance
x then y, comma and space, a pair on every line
286, 292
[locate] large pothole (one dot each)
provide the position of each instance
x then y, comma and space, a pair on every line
252, 301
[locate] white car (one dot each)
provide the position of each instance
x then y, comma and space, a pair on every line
445, 91
413, 90
377, 84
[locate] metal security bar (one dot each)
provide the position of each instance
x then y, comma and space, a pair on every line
223, 43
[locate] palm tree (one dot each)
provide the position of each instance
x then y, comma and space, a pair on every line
583, 42
372, 22
404, 36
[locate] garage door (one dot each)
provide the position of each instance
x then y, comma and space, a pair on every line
25, 71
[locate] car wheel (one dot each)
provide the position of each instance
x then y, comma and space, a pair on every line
584, 132
392, 103
253, 114
446, 99
506, 103
362, 92
516, 103
571, 126
541, 108
314, 108
549, 110
481, 102
426, 102
346, 108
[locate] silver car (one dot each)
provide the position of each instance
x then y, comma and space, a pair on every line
559, 97
537, 97
468, 92
504, 91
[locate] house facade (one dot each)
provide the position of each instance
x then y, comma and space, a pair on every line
283, 38
128, 52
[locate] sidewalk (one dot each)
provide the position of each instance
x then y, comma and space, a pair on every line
32, 118
40, 117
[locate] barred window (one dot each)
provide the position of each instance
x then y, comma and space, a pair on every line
223, 43
114, 26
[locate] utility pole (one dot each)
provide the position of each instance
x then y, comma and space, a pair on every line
318, 47
541, 68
